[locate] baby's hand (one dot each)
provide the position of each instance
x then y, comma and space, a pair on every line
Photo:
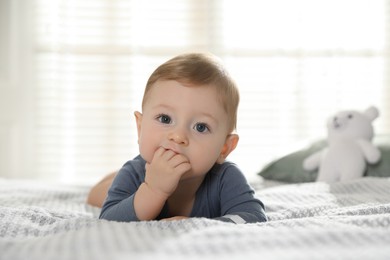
174, 218
163, 173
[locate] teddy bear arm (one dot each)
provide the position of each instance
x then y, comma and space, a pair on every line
312, 162
371, 153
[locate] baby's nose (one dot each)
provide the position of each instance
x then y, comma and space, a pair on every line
178, 137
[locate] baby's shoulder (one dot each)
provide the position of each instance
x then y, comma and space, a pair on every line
134, 168
226, 167
227, 171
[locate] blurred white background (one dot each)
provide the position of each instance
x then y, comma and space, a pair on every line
72, 73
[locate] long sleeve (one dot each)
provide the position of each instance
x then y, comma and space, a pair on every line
119, 204
237, 201
224, 195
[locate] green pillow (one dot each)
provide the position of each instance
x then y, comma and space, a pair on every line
289, 168
382, 168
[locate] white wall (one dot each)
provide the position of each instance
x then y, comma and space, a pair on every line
16, 89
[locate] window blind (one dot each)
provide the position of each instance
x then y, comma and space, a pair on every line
296, 62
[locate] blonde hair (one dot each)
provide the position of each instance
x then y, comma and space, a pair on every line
199, 69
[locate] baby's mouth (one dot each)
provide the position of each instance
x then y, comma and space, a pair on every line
173, 150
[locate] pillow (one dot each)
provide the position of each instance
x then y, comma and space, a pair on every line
382, 168
289, 167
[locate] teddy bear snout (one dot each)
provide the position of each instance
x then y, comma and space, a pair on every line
336, 122
340, 121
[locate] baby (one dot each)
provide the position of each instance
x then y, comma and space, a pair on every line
185, 132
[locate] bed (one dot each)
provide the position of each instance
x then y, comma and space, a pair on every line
348, 220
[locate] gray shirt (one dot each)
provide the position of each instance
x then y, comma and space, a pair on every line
223, 195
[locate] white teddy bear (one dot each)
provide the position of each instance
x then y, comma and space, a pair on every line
349, 147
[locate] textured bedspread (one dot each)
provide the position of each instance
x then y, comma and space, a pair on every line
348, 220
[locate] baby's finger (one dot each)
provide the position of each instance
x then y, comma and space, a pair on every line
182, 168
168, 154
159, 152
147, 165
178, 159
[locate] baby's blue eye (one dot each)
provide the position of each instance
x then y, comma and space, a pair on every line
164, 119
201, 128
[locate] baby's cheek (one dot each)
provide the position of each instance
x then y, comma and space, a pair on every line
204, 163
146, 152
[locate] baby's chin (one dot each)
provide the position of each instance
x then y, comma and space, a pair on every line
191, 175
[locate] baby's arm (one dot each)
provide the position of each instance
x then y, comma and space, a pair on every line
238, 201
161, 179
133, 198
119, 205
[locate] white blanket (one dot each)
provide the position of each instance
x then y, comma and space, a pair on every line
348, 220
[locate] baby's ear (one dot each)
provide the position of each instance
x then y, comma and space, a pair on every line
138, 120
230, 144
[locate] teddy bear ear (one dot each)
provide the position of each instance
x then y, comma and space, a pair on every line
372, 113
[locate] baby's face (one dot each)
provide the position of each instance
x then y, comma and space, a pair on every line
187, 120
